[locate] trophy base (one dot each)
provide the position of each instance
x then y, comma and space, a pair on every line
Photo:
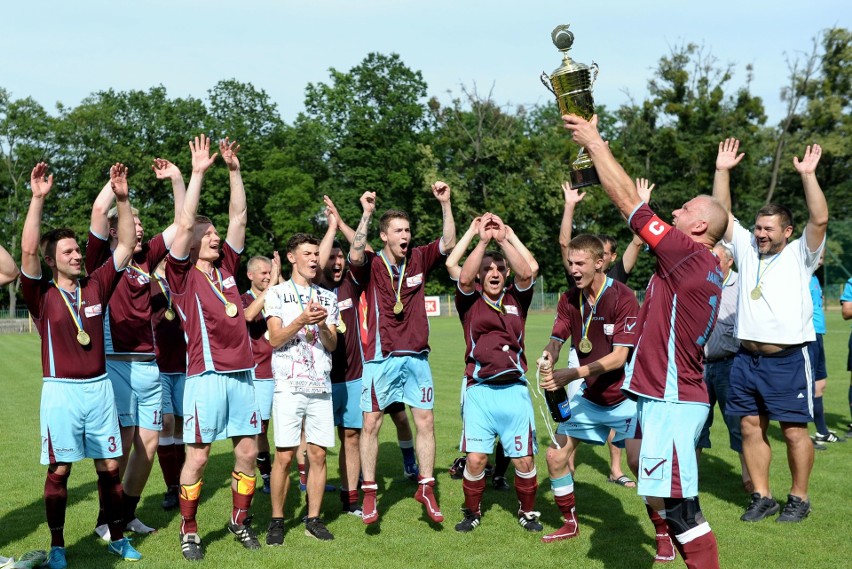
584, 177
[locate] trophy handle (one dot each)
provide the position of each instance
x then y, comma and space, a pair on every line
595, 75
545, 80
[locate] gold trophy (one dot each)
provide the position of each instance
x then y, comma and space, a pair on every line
572, 84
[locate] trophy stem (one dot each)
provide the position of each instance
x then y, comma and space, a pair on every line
583, 171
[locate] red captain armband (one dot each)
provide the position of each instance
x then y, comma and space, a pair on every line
654, 231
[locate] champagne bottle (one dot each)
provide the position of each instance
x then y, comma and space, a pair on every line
557, 400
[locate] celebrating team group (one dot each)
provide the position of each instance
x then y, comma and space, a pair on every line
152, 351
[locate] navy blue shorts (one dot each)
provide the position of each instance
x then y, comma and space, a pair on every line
849, 357
816, 351
779, 386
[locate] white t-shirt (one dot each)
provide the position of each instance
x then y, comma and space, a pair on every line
304, 367
784, 312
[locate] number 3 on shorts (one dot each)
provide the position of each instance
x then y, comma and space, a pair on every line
427, 394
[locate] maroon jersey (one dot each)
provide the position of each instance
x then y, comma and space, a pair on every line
215, 341
129, 328
494, 335
613, 323
347, 360
62, 356
261, 349
681, 304
392, 334
169, 341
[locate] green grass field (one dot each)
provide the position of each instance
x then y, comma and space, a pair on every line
615, 532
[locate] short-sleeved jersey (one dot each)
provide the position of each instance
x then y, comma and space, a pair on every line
62, 356
261, 349
128, 322
397, 334
214, 341
816, 298
347, 361
169, 340
680, 309
613, 323
784, 312
304, 366
494, 340
847, 292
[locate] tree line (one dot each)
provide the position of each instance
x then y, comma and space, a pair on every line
374, 127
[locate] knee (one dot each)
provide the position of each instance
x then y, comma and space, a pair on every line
168, 425
196, 459
372, 422
524, 464
476, 462
424, 419
557, 456
683, 514
316, 454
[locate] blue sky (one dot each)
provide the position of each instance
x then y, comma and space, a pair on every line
62, 51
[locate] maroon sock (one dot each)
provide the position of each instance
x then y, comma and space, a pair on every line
55, 503
129, 504
348, 497
526, 488
112, 499
660, 525
473, 491
700, 553
169, 462
264, 463
565, 504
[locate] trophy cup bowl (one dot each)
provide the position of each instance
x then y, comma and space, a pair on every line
571, 83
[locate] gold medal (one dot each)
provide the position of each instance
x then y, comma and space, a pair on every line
585, 346
231, 309
309, 337
169, 314
755, 293
83, 338
341, 327
397, 308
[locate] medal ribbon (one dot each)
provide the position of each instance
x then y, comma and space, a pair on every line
166, 291
498, 306
302, 304
765, 269
219, 294
727, 278
139, 270
75, 314
254, 296
587, 321
390, 272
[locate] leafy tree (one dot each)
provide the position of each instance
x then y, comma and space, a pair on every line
26, 137
365, 130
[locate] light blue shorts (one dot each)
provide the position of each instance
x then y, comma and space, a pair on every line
506, 411
219, 406
78, 420
138, 393
263, 391
347, 406
397, 378
173, 385
669, 432
591, 422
